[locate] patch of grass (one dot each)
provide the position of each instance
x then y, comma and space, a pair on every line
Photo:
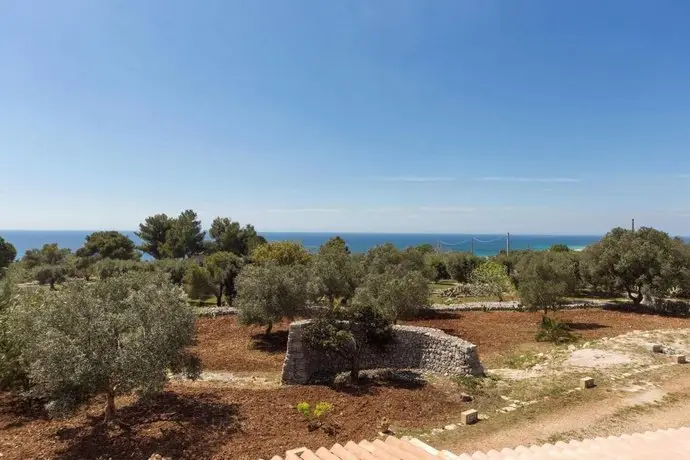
442, 284
209, 302
564, 436
477, 385
524, 361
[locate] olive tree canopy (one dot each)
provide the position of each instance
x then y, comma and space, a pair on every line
546, 277
281, 253
267, 293
215, 277
113, 336
48, 264
642, 262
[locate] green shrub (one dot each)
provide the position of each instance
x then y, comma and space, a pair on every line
304, 409
552, 330
317, 416
322, 409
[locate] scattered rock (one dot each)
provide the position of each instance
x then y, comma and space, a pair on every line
465, 397
436, 431
384, 425
654, 347
450, 427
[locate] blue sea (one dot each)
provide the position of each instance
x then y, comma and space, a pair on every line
483, 245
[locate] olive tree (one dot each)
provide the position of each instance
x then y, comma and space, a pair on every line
348, 333
460, 265
107, 268
395, 294
436, 265
111, 337
215, 277
494, 276
175, 268
333, 273
545, 278
48, 264
269, 292
12, 373
335, 244
281, 253
642, 262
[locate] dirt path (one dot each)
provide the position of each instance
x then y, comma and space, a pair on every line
660, 402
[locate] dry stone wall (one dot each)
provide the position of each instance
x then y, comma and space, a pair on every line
423, 348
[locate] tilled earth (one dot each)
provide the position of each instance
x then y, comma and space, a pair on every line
207, 420
223, 420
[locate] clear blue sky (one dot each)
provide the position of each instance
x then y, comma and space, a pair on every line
534, 116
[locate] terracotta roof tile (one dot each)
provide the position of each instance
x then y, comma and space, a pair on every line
670, 444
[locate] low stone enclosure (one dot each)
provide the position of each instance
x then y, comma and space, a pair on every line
423, 348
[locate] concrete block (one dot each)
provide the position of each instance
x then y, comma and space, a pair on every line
586, 382
469, 417
679, 359
655, 348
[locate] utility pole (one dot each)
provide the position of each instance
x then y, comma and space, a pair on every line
508, 244
633, 224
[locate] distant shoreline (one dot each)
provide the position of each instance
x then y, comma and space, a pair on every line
484, 245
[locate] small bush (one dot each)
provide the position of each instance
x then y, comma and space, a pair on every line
316, 417
304, 409
322, 409
552, 330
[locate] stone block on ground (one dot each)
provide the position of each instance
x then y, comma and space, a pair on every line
469, 416
655, 348
679, 359
586, 382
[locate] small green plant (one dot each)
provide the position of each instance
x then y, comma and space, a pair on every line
322, 409
316, 416
304, 409
552, 330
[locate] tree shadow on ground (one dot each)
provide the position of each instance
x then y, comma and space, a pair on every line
168, 424
585, 326
675, 309
275, 342
21, 410
371, 380
435, 314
